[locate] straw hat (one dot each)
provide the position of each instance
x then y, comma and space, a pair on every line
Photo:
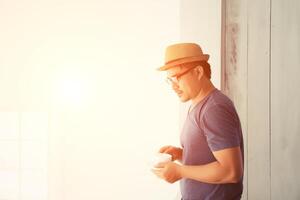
178, 54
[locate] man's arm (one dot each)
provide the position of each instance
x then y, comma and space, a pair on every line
228, 168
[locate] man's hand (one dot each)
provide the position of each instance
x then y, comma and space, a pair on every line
175, 152
168, 171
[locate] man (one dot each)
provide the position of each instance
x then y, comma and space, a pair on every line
211, 152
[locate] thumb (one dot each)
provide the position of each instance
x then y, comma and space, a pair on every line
162, 164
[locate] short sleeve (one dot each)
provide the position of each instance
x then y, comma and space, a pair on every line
221, 127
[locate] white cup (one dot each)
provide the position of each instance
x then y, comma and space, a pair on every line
161, 158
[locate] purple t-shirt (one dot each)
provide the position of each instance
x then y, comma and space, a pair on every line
212, 125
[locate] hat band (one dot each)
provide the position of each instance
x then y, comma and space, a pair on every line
186, 58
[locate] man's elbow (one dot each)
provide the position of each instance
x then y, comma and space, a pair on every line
235, 176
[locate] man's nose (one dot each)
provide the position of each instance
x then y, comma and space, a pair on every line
175, 86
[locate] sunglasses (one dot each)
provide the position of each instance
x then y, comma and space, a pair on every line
175, 78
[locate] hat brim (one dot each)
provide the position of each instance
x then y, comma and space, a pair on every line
178, 62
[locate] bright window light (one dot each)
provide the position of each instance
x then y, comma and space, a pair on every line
71, 89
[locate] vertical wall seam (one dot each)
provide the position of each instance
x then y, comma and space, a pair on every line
20, 154
270, 100
223, 43
247, 100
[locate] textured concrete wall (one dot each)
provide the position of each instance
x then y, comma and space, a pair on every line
285, 99
234, 65
260, 66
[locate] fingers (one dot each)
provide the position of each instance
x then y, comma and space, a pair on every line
172, 151
169, 150
157, 172
164, 148
175, 152
161, 164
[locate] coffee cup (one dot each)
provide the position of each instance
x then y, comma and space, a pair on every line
161, 158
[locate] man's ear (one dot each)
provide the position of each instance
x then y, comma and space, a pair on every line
200, 71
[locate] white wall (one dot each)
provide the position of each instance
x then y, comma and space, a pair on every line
200, 22
89, 67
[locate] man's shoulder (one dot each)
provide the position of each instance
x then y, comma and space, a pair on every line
217, 102
214, 102
218, 98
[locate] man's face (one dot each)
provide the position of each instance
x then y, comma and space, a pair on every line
184, 81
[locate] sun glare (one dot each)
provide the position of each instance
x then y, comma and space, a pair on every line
71, 90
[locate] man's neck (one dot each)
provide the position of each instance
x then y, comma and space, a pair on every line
205, 90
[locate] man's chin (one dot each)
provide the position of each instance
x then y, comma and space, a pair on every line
182, 99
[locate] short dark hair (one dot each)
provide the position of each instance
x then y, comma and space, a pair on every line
204, 64
206, 68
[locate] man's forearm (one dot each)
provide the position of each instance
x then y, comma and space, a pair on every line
213, 173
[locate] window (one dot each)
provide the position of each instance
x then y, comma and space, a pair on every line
23, 155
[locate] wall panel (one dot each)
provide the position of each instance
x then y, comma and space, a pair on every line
285, 98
